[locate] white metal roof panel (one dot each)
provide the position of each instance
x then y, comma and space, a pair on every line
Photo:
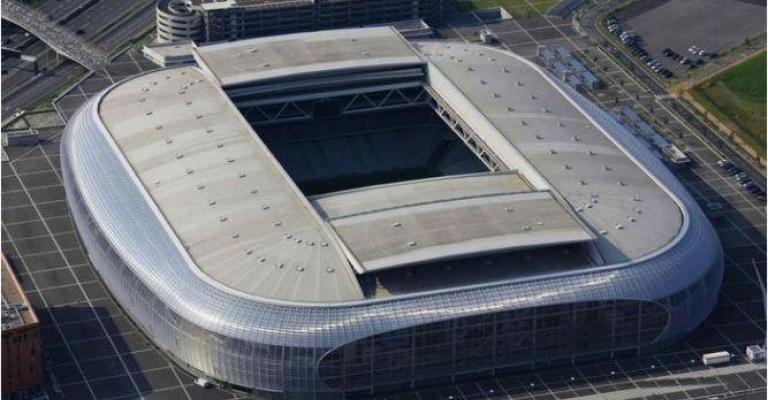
524, 108
401, 224
230, 203
300, 53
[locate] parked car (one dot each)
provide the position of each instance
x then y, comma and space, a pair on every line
724, 163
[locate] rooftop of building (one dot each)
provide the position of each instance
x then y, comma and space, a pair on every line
242, 61
633, 215
247, 226
16, 309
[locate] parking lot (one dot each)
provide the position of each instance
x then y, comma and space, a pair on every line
95, 351
714, 25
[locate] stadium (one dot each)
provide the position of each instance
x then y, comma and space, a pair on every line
340, 213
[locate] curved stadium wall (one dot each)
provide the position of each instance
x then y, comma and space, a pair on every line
334, 350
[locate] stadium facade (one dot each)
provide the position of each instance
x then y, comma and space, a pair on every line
332, 214
217, 20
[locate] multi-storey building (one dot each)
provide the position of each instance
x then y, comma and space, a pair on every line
22, 347
212, 21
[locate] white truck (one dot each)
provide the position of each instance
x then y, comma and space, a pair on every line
755, 353
712, 359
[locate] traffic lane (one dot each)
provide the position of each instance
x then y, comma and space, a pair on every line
102, 14
43, 85
60, 8
129, 29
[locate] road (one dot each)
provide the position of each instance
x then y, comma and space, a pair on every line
122, 20
707, 134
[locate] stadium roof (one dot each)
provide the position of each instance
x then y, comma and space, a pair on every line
245, 224
295, 54
434, 219
232, 206
524, 110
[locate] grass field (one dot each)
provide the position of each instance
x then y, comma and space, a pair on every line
737, 96
517, 8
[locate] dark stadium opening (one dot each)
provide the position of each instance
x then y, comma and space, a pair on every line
475, 269
326, 147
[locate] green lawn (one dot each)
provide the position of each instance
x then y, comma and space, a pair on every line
518, 8
737, 96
